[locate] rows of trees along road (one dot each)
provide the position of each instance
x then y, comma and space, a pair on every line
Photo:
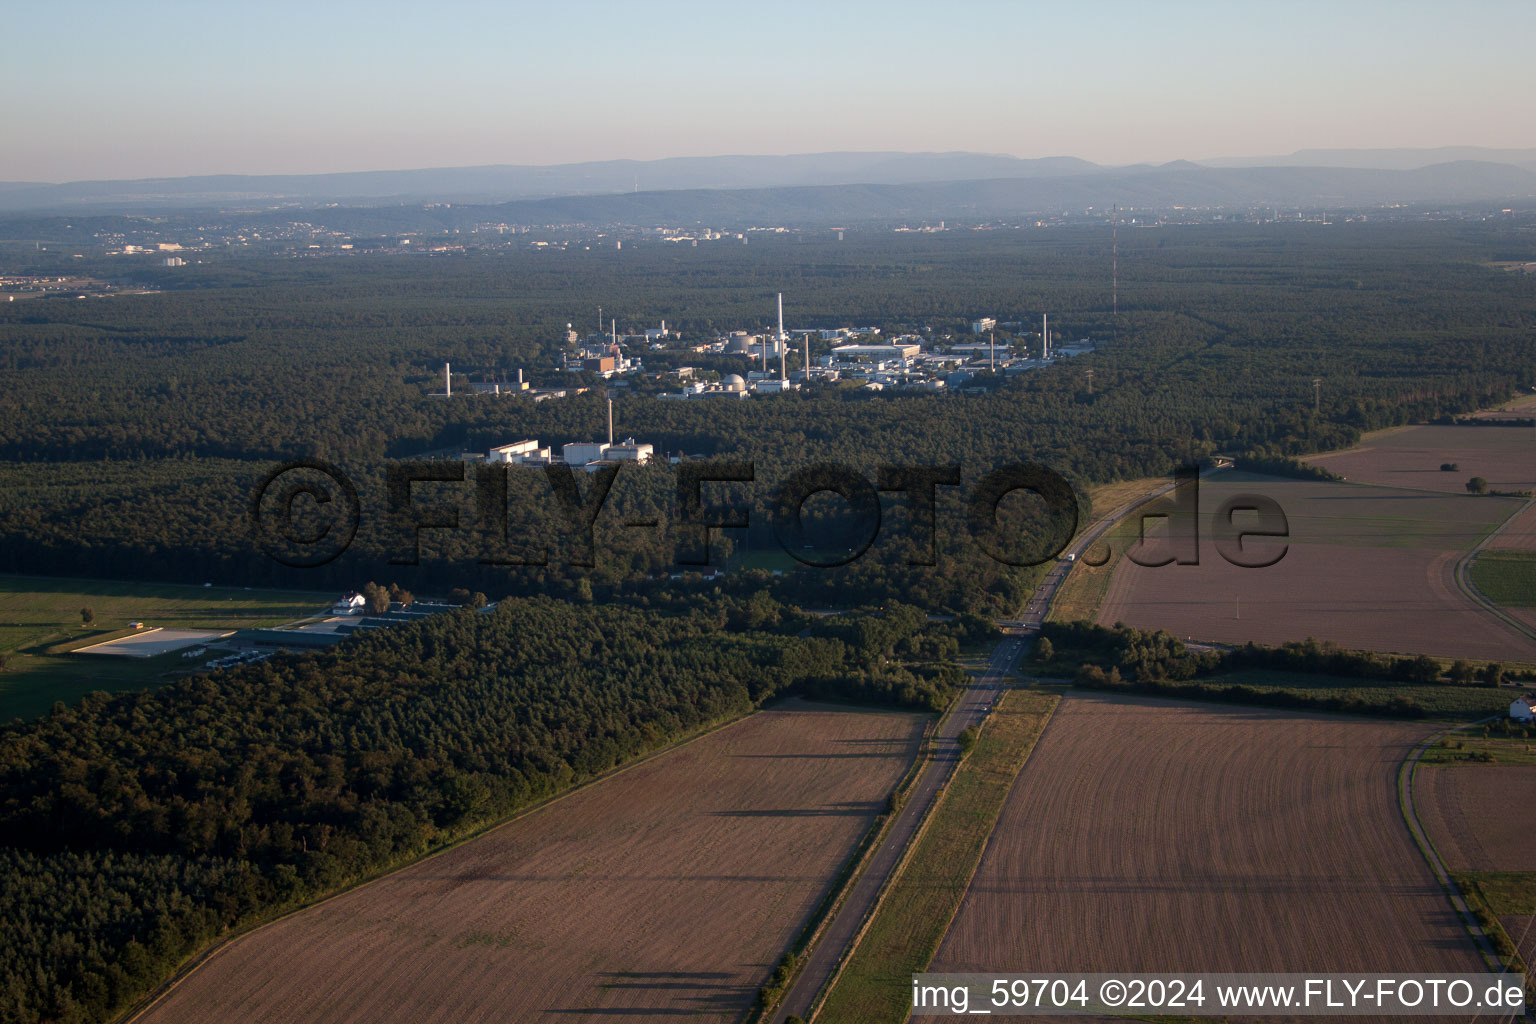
136, 828
133, 429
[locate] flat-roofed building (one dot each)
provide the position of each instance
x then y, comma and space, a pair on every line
517, 451
629, 451
891, 351
581, 453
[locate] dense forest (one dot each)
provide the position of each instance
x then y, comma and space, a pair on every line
133, 430
139, 827
136, 429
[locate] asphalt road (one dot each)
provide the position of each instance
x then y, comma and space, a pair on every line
973, 706
839, 933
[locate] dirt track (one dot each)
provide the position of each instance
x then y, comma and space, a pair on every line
669, 889
1157, 836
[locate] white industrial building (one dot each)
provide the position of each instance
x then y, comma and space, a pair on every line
582, 453
629, 451
895, 350
517, 451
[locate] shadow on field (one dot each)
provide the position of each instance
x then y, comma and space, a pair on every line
844, 810
1177, 882
819, 757
714, 995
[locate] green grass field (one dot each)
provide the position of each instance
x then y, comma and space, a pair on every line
915, 913
41, 615
1506, 577
1493, 895
1505, 892
1462, 747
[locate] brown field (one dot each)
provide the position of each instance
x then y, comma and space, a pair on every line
1522, 930
1411, 457
1367, 567
1520, 534
1468, 812
1152, 835
670, 889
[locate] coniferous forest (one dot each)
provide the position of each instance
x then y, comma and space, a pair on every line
135, 829
134, 430
141, 826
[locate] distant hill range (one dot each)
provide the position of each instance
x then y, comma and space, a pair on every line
828, 186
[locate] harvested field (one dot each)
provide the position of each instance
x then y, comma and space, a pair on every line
1412, 457
1164, 836
669, 889
1467, 812
1367, 567
1522, 929
1519, 535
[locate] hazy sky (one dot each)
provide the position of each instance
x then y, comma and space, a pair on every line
114, 90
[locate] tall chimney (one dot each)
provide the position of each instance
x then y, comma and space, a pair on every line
1045, 335
610, 421
447, 381
783, 346
807, 359
519, 374
992, 352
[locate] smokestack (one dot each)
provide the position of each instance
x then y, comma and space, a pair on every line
519, 374
613, 332
781, 316
447, 381
992, 352
1045, 335
610, 421
807, 359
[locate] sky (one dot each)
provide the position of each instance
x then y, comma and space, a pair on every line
164, 88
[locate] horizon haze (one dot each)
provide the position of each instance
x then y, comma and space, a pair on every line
176, 90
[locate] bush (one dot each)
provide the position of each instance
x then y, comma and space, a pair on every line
967, 739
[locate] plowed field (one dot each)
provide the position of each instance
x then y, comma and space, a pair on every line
668, 889
1152, 835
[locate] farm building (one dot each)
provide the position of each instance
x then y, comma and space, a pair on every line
349, 604
1523, 709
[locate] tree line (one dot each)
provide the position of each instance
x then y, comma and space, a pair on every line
135, 829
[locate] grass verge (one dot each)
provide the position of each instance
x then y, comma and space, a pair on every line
1494, 894
910, 922
1082, 592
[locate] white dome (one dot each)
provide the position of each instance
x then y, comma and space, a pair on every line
733, 382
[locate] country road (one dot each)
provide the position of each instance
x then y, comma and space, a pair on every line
971, 708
